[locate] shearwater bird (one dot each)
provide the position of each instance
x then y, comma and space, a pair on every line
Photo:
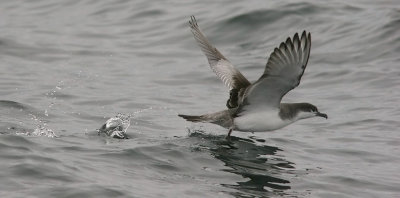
257, 107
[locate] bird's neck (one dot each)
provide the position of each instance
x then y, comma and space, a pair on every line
290, 111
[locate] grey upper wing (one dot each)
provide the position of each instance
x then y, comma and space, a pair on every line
283, 72
230, 76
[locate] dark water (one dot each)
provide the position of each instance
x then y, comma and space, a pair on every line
67, 66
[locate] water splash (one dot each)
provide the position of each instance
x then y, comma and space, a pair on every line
40, 130
117, 126
52, 95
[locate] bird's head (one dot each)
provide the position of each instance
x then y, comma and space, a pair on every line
307, 110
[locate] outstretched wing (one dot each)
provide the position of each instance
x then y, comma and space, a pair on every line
230, 76
283, 72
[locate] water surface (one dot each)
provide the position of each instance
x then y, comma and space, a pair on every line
67, 66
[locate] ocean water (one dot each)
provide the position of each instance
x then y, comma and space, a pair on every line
68, 66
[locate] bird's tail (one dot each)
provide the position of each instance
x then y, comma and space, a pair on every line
193, 118
222, 118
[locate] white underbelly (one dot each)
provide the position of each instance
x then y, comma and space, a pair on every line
259, 121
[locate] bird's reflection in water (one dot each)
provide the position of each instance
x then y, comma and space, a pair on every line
251, 159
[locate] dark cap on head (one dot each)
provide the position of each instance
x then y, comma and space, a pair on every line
307, 107
290, 110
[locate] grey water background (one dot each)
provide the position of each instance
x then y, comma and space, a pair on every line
67, 66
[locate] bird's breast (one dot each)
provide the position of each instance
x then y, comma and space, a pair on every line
259, 121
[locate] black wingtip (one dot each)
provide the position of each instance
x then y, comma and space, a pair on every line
306, 34
289, 43
303, 33
192, 21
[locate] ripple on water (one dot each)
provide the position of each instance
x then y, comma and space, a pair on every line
84, 61
264, 171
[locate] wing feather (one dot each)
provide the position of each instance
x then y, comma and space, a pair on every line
282, 73
230, 76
